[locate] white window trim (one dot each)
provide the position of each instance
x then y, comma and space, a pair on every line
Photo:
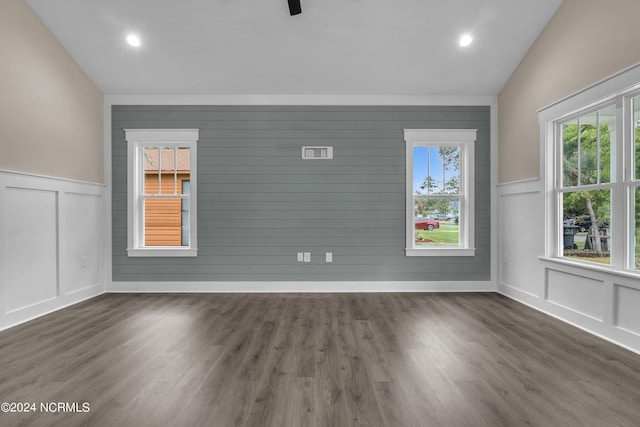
466, 138
619, 88
136, 139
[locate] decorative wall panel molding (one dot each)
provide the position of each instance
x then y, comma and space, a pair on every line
598, 301
52, 240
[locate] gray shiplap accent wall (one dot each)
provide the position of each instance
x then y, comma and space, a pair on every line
259, 203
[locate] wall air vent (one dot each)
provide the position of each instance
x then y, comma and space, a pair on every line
317, 153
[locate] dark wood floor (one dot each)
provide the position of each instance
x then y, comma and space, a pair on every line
315, 360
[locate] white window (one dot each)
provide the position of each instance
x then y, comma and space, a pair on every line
162, 192
593, 175
586, 180
440, 192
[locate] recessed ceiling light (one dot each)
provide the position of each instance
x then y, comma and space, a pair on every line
133, 40
465, 40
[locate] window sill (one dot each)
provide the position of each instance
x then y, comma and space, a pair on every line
606, 269
441, 252
162, 251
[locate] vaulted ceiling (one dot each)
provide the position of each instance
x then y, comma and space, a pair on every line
341, 47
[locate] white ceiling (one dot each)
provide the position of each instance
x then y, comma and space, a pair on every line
338, 47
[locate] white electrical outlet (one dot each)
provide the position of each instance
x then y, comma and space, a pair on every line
328, 257
83, 261
300, 257
307, 257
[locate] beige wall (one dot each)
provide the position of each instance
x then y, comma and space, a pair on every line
51, 113
586, 41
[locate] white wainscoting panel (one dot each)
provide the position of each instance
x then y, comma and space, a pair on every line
80, 259
627, 309
578, 293
521, 238
51, 244
594, 299
31, 247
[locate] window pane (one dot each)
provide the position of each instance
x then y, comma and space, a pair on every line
607, 138
586, 148
570, 154
162, 222
163, 167
436, 170
586, 225
635, 238
185, 212
436, 221
151, 165
636, 133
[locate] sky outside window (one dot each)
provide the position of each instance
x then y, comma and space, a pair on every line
431, 172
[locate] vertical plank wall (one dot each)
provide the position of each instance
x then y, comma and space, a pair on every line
259, 203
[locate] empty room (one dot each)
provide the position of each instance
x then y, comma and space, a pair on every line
319, 213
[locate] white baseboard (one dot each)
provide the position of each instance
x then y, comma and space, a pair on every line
518, 294
299, 287
618, 337
17, 317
